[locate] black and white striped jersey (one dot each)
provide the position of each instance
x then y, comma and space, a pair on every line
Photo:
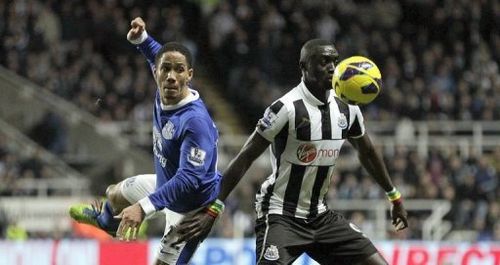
306, 137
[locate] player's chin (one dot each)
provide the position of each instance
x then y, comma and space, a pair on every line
171, 93
328, 84
170, 96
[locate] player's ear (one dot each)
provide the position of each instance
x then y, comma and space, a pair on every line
302, 66
190, 73
155, 74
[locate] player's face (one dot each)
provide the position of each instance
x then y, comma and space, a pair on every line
321, 65
172, 77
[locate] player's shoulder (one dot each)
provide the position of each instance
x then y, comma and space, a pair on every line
351, 108
199, 108
286, 101
354, 109
197, 112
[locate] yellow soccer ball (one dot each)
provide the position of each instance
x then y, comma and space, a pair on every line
357, 80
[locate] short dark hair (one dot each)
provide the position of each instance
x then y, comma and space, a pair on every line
178, 47
310, 45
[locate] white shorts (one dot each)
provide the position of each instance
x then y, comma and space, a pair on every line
137, 187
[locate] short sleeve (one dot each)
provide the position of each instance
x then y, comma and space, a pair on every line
275, 117
357, 128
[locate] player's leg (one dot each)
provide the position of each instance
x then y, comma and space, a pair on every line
341, 242
118, 197
171, 253
280, 239
122, 195
185, 255
115, 198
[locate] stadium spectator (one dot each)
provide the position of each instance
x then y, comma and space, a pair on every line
4, 223
16, 167
16, 232
50, 133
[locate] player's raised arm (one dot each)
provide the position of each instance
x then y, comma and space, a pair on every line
138, 36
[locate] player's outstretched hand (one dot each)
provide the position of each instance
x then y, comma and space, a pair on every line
399, 216
131, 219
137, 26
196, 226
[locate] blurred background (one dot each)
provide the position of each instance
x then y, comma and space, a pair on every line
76, 105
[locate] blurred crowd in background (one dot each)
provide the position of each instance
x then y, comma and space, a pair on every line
439, 58
439, 61
15, 166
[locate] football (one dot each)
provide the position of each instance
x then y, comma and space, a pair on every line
357, 80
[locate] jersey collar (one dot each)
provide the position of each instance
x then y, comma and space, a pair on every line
194, 95
309, 97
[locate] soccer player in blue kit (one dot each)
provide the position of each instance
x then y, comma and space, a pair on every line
185, 157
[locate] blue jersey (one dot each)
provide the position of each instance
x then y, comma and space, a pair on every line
185, 149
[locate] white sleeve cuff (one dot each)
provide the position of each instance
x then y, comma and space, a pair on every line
141, 39
147, 206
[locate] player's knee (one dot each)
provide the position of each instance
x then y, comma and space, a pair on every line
115, 197
111, 193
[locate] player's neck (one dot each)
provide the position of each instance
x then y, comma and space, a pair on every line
318, 92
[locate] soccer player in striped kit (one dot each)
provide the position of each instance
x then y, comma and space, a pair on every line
306, 129
185, 157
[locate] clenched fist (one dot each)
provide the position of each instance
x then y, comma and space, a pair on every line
138, 26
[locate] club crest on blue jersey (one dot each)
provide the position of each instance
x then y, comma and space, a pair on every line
157, 139
168, 131
342, 121
158, 147
197, 156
